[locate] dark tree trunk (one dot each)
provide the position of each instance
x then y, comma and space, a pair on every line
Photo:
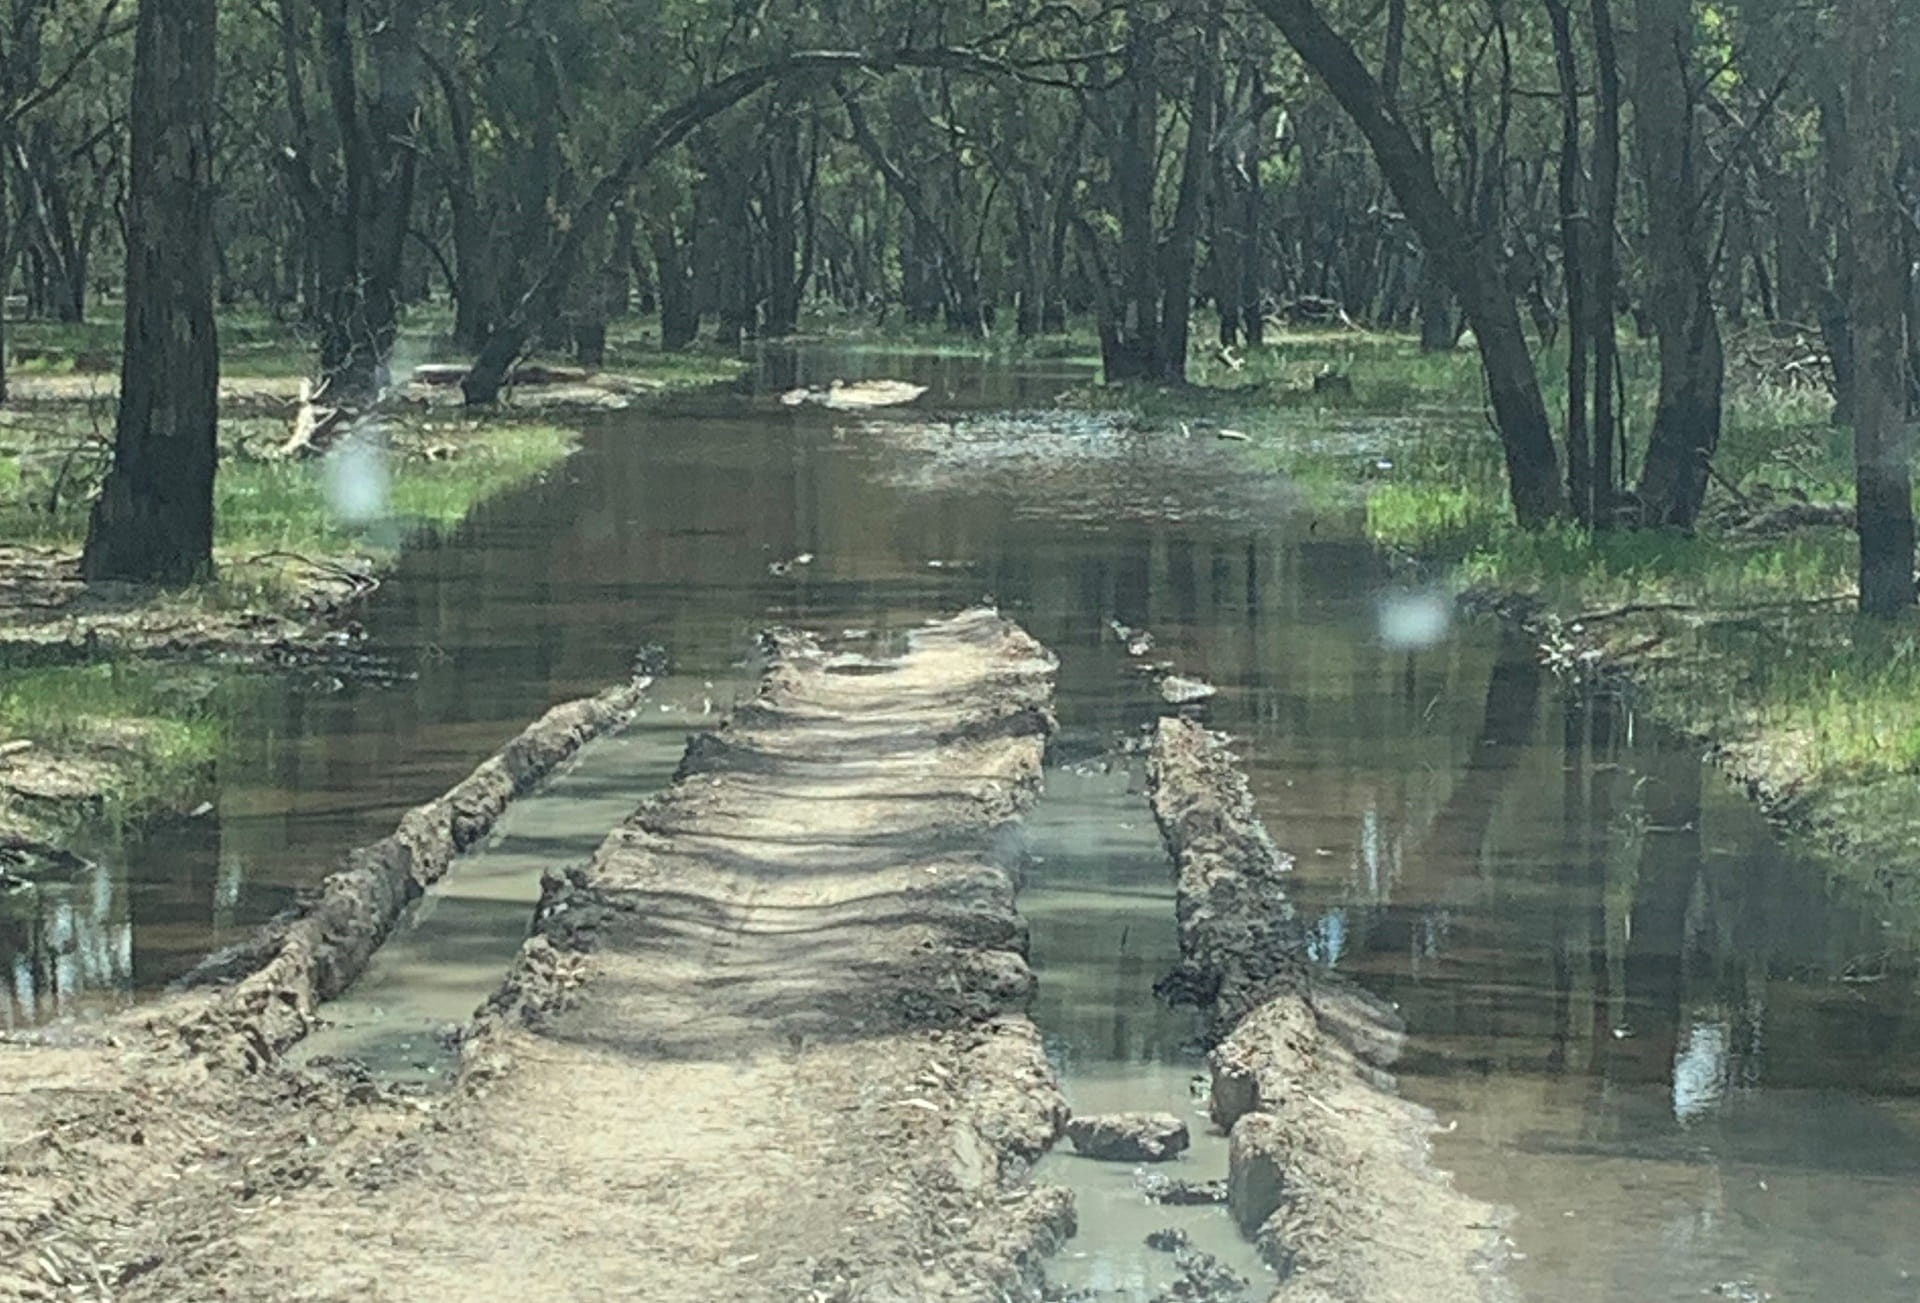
1439, 331
476, 289
1573, 262
1880, 272
679, 315
153, 521
1176, 274
783, 203
1686, 421
1462, 257
1030, 303
1606, 273
1253, 236
1130, 322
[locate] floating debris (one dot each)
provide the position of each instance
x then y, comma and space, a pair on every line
1177, 690
854, 396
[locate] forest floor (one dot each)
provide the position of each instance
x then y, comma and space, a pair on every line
1741, 634
770, 1043
107, 691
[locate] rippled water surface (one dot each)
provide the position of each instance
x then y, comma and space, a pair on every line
1688, 1061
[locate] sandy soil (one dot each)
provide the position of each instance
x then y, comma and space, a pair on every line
1330, 1171
768, 1044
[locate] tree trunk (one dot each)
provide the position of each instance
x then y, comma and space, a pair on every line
1130, 334
153, 520
1176, 274
1253, 271
679, 315
1463, 258
1879, 278
783, 188
1686, 421
476, 290
1573, 262
1439, 332
1606, 273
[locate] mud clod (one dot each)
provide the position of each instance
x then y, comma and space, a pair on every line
1176, 1193
1129, 1137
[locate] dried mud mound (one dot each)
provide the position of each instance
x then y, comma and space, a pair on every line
769, 1044
1330, 1171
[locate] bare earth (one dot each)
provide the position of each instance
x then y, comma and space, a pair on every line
769, 1044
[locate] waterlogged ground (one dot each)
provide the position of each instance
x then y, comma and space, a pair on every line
1683, 1058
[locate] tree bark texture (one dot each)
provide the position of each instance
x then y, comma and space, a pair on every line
1879, 278
1680, 254
153, 521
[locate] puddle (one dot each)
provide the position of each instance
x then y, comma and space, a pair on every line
446, 956
1099, 902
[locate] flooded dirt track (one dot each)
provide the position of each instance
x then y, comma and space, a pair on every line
1683, 1056
769, 1044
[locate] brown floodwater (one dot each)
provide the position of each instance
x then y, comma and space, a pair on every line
1687, 1059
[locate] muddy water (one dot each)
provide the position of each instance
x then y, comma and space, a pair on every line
1688, 1062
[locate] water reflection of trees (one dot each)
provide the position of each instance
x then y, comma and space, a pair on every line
1574, 894
63, 941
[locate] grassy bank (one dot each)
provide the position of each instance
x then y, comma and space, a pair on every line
1741, 633
113, 743
125, 733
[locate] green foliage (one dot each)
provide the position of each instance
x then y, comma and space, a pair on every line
144, 735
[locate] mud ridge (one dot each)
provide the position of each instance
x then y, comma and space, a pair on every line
117, 1138
770, 1043
1330, 1170
267, 988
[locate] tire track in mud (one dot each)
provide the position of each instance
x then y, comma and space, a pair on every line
1330, 1170
770, 1043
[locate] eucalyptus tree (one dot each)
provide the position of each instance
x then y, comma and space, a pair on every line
1681, 252
153, 520
1463, 255
351, 75
1877, 41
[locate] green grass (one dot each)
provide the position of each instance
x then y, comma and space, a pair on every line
1754, 632
150, 729
263, 506
52, 460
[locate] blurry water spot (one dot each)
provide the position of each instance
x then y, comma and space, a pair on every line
357, 482
1410, 621
1700, 1069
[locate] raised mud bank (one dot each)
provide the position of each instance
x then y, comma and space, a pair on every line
261, 995
1330, 1170
770, 1043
